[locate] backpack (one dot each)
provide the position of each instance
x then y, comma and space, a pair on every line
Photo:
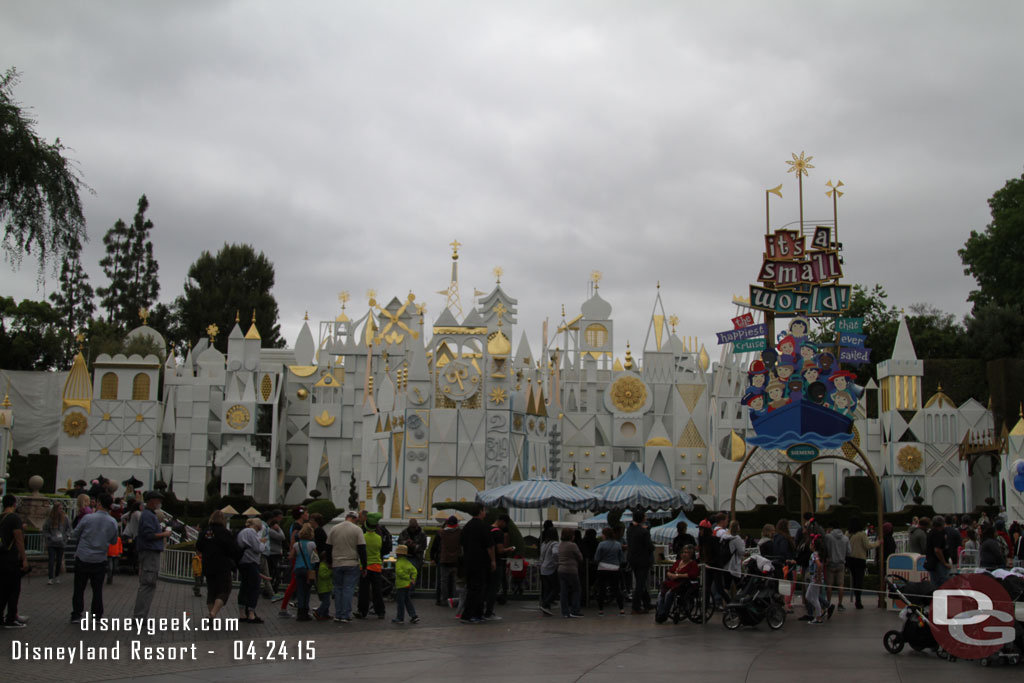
723, 551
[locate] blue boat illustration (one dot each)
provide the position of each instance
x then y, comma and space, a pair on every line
802, 421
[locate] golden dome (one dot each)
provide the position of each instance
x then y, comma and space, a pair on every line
498, 344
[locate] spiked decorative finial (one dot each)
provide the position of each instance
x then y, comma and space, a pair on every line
800, 164
498, 272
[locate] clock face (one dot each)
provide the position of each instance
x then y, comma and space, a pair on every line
458, 380
237, 416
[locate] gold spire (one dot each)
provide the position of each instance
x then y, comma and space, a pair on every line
595, 277
498, 272
253, 333
343, 297
455, 244
7, 397
628, 365
78, 386
144, 315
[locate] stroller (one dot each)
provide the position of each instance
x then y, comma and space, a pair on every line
1011, 653
758, 598
916, 631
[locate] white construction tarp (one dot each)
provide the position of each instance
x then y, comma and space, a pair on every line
35, 402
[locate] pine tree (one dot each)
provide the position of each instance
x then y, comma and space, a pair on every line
73, 303
131, 269
353, 493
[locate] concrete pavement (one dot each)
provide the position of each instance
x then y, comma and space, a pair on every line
524, 646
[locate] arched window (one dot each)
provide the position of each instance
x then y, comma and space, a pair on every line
596, 335
140, 387
108, 387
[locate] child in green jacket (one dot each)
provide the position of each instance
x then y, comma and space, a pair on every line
405, 581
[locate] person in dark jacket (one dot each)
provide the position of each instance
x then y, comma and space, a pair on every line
639, 554
445, 553
415, 542
220, 553
990, 556
683, 538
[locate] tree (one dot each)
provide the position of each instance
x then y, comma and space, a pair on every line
73, 303
995, 257
131, 269
40, 207
234, 283
30, 335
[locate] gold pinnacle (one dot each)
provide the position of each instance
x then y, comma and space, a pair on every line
212, 331
673, 320
144, 315
343, 297
498, 272
595, 277
455, 244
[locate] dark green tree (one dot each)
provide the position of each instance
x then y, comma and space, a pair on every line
995, 257
131, 268
31, 336
40, 207
235, 282
73, 302
353, 493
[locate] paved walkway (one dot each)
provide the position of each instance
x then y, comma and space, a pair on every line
524, 647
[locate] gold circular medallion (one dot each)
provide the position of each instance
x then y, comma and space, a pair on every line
909, 459
628, 394
237, 416
75, 424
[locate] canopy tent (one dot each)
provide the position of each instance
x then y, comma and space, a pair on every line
601, 521
538, 493
633, 488
666, 533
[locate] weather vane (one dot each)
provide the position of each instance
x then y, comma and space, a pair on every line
835, 193
799, 166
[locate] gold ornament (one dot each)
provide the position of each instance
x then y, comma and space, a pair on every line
498, 396
75, 424
237, 416
302, 394
909, 459
628, 394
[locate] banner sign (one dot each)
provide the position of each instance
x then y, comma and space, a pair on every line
855, 325
742, 321
819, 300
748, 332
854, 356
746, 345
852, 340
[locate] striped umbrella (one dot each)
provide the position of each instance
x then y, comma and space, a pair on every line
538, 493
666, 533
633, 488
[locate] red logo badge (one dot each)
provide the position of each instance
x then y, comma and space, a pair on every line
972, 616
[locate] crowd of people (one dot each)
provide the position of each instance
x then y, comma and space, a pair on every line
474, 561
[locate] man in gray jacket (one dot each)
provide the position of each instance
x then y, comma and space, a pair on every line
837, 548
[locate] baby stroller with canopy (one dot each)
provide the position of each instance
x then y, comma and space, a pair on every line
758, 598
916, 631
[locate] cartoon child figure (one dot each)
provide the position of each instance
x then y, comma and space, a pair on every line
798, 327
754, 400
784, 370
842, 403
825, 361
807, 353
775, 391
842, 380
810, 376
758, 374
787, 348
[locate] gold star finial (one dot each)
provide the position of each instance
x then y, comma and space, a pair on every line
799, 164
595, 277
371, 294
834, 188
212, 331
455, 244
343, 298
144, 315
498, 272
673, 320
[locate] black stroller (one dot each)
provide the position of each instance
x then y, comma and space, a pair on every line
916, 631
758, 598
1011, 653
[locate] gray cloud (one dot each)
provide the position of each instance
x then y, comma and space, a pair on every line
352, 142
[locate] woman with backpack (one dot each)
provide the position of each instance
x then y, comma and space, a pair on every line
56, 531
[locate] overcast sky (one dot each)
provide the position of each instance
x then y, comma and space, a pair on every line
351, 142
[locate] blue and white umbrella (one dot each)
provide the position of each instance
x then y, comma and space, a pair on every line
538, 493
633, 488
666, 533
600, 521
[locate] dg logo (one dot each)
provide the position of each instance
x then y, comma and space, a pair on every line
972, 616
